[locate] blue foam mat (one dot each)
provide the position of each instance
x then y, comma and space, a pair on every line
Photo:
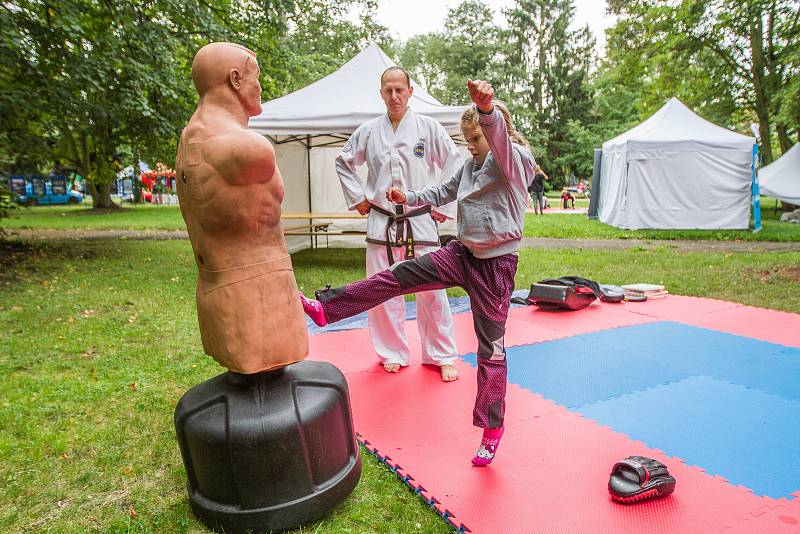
716, 400
591, 367
744, 435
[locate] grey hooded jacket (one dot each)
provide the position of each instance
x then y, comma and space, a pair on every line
492, 199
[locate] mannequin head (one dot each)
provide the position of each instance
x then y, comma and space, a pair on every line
227, 71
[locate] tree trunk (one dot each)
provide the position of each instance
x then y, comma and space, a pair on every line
541, 59
783, 138
759, 87
101, 196
135, 183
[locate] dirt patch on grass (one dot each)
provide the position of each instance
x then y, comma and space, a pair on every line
21, 259
781, 273
11, 254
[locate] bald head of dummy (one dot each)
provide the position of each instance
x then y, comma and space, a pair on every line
228, 72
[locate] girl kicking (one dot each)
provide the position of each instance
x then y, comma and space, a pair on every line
492, 193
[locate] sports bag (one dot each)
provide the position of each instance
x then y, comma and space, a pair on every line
570, 293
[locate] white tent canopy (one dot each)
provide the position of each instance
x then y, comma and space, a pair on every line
308, 125
781, 178
344, 100
676, 170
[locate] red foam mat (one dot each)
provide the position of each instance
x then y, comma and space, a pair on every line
552, 468
758, 323
532, 324
551, 471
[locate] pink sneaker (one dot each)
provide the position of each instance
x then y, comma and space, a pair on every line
488, 448
313, 309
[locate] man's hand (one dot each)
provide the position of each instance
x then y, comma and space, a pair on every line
481, 94
438, 217
363, 207
396, 196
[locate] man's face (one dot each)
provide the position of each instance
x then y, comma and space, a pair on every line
476, 143
395, 93
251, 87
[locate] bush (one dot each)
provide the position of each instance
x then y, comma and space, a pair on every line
6, 203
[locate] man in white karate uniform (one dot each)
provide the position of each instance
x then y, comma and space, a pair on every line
402, 149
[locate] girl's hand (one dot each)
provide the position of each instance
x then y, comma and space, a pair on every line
438, 217
482, 94
395, 195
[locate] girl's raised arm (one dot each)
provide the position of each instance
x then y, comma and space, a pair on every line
494, 130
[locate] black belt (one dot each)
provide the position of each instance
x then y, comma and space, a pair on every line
401, 221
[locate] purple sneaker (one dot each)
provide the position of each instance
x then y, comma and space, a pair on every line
488, 448
313, 309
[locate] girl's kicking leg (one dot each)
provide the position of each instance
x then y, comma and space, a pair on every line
339, 303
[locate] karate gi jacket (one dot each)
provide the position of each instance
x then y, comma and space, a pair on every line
406, 159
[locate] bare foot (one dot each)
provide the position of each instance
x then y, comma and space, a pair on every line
449, 373
391, 367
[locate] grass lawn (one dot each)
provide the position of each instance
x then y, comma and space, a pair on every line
130, 217
578, 226
100, 340
574, 226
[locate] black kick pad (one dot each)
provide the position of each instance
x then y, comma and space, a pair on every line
557, 296
637, 478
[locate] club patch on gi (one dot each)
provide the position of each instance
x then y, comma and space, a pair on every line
419, 148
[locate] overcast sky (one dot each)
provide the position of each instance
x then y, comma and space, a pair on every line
406, 18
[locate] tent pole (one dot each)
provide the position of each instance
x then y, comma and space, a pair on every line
308, 171
755, 192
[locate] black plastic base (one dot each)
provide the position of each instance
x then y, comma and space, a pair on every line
268, 451
232, 520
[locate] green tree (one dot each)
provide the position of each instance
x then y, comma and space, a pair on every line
538, 65
732, 60
421, 57
618, 87
100, 76
323, 39
788, 107
548, 76
468, 47
95, 85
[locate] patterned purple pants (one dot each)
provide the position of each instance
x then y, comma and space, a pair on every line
488, 282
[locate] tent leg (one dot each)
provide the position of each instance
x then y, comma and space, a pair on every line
755, 192
308, 172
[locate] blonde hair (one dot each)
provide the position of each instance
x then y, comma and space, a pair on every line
470, 119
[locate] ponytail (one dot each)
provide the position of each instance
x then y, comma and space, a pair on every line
470, 118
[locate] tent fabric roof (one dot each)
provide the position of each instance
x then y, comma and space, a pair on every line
677, 127
343, 100
781, 178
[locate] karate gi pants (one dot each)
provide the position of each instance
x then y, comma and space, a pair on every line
489, 284
434, 318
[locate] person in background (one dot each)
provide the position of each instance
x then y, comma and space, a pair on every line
536, 190
566, 198
402, 149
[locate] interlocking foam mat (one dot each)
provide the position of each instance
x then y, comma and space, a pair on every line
710, 388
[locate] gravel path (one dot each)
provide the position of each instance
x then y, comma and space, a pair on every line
536, 242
